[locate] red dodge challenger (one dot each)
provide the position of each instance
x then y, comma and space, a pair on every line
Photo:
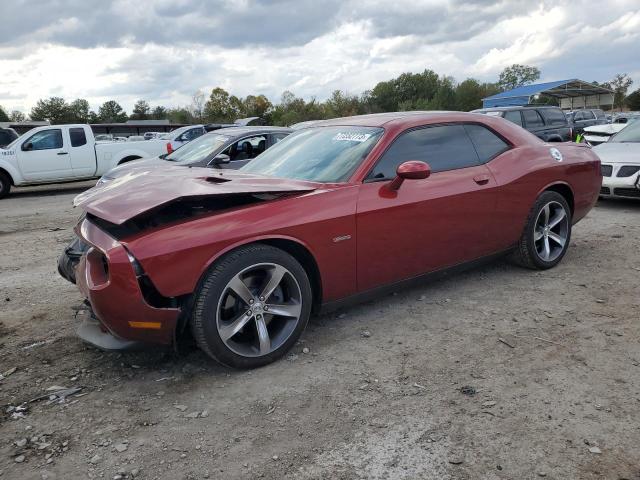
341, 211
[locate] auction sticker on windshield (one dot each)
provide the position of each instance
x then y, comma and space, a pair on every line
351, 137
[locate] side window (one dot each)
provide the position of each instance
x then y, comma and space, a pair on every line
279, 136
78, 138
248, 148
599, 113
445, 147
45, 140
553, 116
4, 137
513, 116
488, 144
532, 118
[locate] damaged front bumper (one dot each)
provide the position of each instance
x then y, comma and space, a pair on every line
68, 260
108, 279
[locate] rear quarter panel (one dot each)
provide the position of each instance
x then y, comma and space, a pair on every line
524, 172
176, 257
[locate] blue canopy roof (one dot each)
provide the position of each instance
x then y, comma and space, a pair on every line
559, 89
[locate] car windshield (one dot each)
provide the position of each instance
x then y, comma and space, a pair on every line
198, 149
629, 134
321, 154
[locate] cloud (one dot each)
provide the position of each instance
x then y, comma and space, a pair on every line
164, 50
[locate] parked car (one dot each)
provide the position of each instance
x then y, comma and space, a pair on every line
335, 213
620, 158
228, 148
7, 135
602, 133
178, 137
546, 123
580, 119
63, 153
150, 135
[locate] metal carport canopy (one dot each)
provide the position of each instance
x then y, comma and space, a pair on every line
572, 93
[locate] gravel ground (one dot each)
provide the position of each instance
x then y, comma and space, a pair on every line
496, 373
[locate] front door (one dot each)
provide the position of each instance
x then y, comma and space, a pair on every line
44, 156
428, 224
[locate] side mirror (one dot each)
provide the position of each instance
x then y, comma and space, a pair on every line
27, 146
220, 159
411, 170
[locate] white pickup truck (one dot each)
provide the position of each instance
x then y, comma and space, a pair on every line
65, 153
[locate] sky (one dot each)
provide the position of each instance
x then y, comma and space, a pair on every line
165, 50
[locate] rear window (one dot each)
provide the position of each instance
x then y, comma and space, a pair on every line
554, 116
78, 138
488, 145
532, 118
513, 116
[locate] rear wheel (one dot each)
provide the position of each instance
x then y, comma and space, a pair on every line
5, 184
547, 233
252, 307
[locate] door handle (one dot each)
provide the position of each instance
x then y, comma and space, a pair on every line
63, 153
481, 179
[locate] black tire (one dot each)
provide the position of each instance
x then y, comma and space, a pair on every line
213, 293
5, 184
527, 252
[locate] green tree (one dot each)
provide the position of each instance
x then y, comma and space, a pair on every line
517, 76
3, 115
620, 85
179, 115
112, 112
469, 95
17, 116
79, 111
54, 110
159, 113
218, 107
341, 104
633, 100
141, 110
257, 106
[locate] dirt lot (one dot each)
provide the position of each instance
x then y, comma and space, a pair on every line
378, 395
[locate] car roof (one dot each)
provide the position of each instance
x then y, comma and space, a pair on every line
514, 107
400, 119
241, 131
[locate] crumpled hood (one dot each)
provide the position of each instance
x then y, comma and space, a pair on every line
144, 189
618, 152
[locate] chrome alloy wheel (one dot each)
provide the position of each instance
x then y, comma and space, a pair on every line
259, 309
551, 231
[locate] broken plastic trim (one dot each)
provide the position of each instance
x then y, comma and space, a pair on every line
149, 291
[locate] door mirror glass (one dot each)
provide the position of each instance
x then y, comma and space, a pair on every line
411, 170
27, 147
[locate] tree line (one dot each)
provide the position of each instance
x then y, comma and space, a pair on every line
408, 91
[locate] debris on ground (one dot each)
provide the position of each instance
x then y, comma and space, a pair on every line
5, 374
468, 390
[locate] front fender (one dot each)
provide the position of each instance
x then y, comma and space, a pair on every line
10, 168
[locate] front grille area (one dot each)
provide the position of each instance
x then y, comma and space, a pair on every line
605, 191
628, 170
627, 192
606, 170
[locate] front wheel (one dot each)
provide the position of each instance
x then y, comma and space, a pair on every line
547, 233
5, 185
251, 307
